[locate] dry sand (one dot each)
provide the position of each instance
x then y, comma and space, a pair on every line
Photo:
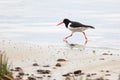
96, 61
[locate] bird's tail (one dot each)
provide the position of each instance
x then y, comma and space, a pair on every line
91, 27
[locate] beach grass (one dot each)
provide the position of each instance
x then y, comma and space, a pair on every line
5, 68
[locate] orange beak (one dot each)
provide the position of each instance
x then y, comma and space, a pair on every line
59, 23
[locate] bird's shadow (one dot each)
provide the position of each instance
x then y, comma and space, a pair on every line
76, 45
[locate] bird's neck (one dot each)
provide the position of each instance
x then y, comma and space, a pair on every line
66, 25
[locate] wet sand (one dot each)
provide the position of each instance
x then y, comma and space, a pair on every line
93, 62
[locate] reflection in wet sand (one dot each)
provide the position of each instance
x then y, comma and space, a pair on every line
73, 45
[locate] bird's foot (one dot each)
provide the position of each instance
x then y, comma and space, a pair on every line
86, 41
65, 39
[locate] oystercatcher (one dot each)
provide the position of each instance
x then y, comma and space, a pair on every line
75, 27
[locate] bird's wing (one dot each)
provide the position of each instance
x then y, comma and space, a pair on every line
76, 24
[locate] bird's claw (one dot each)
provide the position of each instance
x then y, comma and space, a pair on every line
86, 41
65, 39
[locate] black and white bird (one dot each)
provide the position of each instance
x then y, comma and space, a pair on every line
75, 27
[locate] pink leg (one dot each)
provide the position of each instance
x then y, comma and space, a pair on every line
68, 37
85, 37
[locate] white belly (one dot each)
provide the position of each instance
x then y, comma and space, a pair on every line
78, 29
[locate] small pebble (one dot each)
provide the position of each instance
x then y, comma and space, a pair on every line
58, 65
35, 64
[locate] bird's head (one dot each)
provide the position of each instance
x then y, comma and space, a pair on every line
65, 21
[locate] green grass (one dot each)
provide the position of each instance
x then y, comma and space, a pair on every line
4, 67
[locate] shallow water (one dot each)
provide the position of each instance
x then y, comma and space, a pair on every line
36, 22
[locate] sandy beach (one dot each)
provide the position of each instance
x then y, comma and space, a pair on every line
93, 62
34, 44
